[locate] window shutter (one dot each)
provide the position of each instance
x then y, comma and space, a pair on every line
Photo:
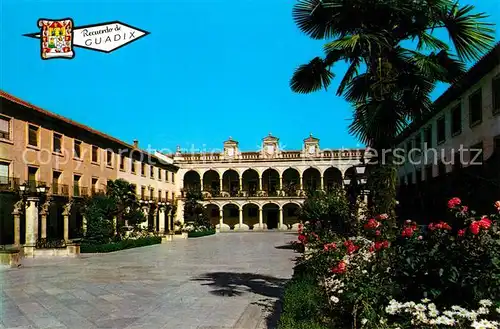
4, 170
4, 125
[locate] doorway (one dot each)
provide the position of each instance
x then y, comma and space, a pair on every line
272, 219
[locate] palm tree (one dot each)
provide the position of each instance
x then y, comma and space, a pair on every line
394, 58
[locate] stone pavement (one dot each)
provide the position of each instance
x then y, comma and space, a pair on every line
216, 282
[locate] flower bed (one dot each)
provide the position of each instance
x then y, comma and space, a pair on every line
384, 275
120, 245
197, 234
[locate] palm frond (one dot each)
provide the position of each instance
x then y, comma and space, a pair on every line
428, 41
314, 18
470, 35
311, 77
351, 72
358, 43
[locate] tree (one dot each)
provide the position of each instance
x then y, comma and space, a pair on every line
128, 210
194, 211
99, 211
394, 59
388, 82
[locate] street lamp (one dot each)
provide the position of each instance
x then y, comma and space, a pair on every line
22, 188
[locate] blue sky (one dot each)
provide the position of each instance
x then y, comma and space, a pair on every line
210, 69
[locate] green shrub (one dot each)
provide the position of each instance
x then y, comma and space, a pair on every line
287, 322
120, 245
303, 299
197, 234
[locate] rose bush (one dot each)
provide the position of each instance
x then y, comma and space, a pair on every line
362, 269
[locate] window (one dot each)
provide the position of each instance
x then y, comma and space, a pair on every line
441, 130
456, 120
122, 162
76, 185
173, 178
77, 149
428, 136
94, 185
4, 127
159, 195
159, 174
32, 174
428, 172
109, 158
152, 193
476, 154
33, 135
495, 90
143, 192
143, 169
4, 173
132, 166
95, 153
56, 177
152, 172
475, 108
166, 175
57, 143
167, 195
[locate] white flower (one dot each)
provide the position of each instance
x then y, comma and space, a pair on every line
485, 302
334, 299
498, 310
420, 307
433, 313
364, 321
426, 300
483, 310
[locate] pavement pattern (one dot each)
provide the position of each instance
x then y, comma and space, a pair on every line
226, 281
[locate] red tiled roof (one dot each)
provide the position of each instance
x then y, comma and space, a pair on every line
55, 116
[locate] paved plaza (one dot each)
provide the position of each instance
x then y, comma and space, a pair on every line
225, 281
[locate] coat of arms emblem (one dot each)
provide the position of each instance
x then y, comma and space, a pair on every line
56, 38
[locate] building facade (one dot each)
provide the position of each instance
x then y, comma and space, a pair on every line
262, 189
463, 131
40, 148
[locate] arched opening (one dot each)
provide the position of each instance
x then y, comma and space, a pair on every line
271, 181
231, 215
270, 212
213, 212
291, 214
211, 182
250, 182
251, 214
332, 178
192, 181
75, 229
231, 182
311, 179
291, 182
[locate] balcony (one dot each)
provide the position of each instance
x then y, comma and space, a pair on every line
59, 190
9, 184
253, 194
32, 185
80, 191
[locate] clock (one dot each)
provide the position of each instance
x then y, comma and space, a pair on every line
230, 151
312, 149
270, 149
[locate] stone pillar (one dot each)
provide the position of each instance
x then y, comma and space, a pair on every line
281, 226
221, 182
300, 182
155, 217
260, 182
202, 188
66, 213
43, 214
321, 183
260, 226
281, 182
241, 183
221, 218
31, 226
18, 209
241, 217
161, 219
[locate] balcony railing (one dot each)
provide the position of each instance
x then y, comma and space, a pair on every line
8, 184
31, 185
80, 191
254, 194
59, 190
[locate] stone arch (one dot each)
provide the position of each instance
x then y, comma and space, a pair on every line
311, 179
332, 177
250, 181
192, 180
213, 213
231, 213
291, 211
291, 181
211, 182
271, 181
231, 182
270, 214
251, 214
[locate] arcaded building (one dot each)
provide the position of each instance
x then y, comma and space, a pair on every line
261, 189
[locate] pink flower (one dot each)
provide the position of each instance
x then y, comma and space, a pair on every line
454, 202
420, 237
371, 224
377, 233
497, 205
474, 228
461, 232
382, 217
340, 268
485, 223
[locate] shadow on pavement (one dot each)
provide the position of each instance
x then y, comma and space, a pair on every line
229, 284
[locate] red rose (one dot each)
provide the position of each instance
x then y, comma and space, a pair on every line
464, 209
461, 232
432, 227
371, 249
407, 232
303, 238
386, 244
485, 223
340, 268
474, 228
454, 202
377, 233
371, 224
